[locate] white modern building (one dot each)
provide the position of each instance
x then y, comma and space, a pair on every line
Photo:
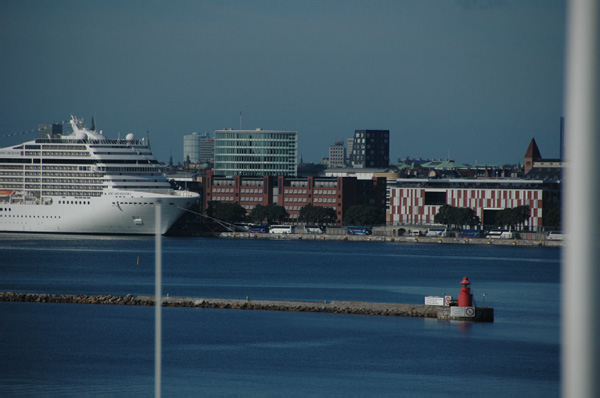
256, 152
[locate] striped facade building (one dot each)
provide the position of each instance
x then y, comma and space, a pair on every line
417, 202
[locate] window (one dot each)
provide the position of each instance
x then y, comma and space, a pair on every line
434, 198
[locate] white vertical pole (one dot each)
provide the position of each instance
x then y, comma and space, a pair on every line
581, 262
158, 301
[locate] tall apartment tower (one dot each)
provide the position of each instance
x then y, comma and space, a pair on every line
206, 149
337, 155
256, 153
371, 149
198, 148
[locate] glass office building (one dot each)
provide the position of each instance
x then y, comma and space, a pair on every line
198, 148
256, 153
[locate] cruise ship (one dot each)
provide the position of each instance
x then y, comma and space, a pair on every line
84, 183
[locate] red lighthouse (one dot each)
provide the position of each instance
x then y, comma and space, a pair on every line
465, 298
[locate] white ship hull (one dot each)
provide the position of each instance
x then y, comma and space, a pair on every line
114, 213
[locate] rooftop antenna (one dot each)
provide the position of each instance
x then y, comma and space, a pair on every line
240, 120
562, 138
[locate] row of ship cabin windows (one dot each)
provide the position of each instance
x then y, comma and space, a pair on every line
25, 216
73, 202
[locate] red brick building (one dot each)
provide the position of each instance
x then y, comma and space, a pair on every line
293, 193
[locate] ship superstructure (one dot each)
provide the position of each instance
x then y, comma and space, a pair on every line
85, 183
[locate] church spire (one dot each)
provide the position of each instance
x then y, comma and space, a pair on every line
532, 154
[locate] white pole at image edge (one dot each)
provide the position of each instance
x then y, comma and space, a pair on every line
158, 300
580, 266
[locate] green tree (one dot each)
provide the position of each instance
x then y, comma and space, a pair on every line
270, 214
364, 215
467, 216
228, 212
552, 218
513, 216
456, 216
317, 214
445, 215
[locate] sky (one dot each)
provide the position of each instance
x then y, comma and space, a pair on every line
469, 80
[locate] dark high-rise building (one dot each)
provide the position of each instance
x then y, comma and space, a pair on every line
48, 131
371, 149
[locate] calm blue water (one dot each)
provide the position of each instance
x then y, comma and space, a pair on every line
62, 349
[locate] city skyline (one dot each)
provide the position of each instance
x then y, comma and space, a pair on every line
471, 80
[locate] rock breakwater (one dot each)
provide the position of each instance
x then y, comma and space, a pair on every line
334, 307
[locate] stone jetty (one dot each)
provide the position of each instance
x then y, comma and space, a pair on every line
335, 307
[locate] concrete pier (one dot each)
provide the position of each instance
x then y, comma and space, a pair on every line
335, 307
524, 241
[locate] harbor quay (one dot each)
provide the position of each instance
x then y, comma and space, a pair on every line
533, 240
482, 314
